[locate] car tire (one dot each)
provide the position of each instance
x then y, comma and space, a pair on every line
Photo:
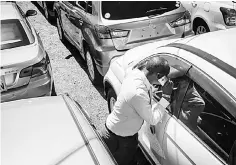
53, 91
60, 30
201, 27
93, 73
111, 99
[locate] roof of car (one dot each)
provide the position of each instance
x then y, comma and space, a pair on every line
220, 44
8, 11
42, 131
213, 53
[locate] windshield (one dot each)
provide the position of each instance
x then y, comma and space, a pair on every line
115, 10
12, 34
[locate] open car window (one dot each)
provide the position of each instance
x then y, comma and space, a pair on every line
209, 120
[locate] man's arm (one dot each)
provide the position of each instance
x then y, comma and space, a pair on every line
150, 113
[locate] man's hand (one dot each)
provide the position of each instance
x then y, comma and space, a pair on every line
167, 90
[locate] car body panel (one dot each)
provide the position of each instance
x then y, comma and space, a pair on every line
15, 59
49, 130
168, 145
176, 150
83, 25
9, 12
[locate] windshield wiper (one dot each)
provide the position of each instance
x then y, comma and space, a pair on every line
155, 12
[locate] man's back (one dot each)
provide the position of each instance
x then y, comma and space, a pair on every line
124, 119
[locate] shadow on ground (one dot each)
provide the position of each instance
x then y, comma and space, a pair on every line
76, 54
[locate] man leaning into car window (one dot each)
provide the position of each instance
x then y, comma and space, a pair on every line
134, 105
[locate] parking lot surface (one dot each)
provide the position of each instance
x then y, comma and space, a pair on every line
69, 71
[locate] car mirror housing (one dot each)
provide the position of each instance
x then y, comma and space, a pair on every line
30, 13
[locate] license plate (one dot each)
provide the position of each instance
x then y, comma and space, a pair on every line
3, 84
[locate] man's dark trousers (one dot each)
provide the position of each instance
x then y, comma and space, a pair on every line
122, 148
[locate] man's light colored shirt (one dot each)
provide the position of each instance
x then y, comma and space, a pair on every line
133, 105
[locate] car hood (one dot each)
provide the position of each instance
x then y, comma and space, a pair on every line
41, 131
21, 56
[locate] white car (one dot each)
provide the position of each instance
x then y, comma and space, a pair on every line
25, 66
210, 66
207, 16
50, 130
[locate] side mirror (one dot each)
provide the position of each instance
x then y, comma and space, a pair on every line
30, 13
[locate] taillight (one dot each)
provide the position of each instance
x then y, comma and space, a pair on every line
185, 19
40, 68
37, 69
229, 16
26, 72
104, 32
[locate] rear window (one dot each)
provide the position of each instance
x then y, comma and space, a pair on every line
114, 10
13, 34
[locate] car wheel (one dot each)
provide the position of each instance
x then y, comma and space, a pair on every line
93, 73
60, 31
111, 99
201, 28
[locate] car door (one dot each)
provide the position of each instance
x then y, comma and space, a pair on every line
66, 7
78, 16
151, 137
211, 140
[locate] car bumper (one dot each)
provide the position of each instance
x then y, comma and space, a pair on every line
104, 56
39, 86
219, 26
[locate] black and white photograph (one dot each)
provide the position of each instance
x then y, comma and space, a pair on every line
118, 82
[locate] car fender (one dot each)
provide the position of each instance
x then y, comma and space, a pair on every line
207, 16
115, 85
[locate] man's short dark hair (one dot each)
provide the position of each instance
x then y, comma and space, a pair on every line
155, 64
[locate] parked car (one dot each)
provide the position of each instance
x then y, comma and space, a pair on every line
207, 16
209, 65
48, 10
100, 31
50, 130
25, 66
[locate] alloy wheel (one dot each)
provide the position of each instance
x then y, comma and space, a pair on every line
90, 66
201, 29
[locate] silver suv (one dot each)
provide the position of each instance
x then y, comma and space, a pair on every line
101, 30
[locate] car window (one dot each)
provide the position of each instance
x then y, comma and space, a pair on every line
135, 9
208, 119
85, 5
81, 4
13, 34
89, 7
